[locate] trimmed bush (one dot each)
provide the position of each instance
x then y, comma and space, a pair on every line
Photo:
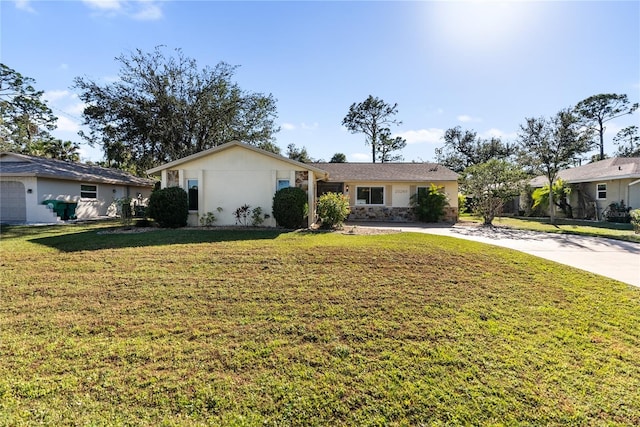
290, 207
169, 207
429, 204
333, 209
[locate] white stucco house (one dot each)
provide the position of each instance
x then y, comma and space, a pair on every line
30, 187
223, 178
226, 177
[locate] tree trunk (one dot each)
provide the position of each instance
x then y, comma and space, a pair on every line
552, 206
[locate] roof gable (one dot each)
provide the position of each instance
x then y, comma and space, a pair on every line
387, 172
12, 164
603, 170
229, 145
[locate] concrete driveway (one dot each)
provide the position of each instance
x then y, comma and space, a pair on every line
611, 258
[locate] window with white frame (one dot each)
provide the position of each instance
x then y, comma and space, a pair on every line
88, 191
282, 183
370, 195
601, 191
192, 191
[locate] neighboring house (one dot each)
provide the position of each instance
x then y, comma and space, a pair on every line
27, 181
383, 191
596, 185
222, 179
236, 174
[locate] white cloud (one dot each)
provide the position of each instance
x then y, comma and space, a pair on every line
65, 124
140, 10
104, 4
497, 133
464, 118
25, 5
56, 95
302, 126
431, 136
359, 157
149, 11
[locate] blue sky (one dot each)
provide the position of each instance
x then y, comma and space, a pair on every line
484, 66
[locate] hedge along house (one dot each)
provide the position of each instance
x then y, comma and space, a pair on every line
383, 191
224, 178
596, 185
26, 182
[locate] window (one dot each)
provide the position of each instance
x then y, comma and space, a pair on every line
370, 196
88, 191
192, 190
601, 191
282, 183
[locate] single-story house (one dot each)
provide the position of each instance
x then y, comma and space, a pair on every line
382, 191
222, 179
596, 185
32, 189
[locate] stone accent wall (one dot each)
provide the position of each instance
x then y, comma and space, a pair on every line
389, 214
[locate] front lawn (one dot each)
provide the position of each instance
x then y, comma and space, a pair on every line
215, 327
610, 230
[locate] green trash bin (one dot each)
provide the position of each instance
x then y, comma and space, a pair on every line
71, 210
58, 206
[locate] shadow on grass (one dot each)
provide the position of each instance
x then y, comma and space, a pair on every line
94, 240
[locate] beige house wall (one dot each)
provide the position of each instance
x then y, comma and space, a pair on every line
617, 190
234, 177
398, 194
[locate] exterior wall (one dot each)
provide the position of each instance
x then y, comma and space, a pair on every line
235, 177
103, 205
617, 190
397, 199
38, 190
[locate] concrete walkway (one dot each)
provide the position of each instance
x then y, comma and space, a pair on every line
608, 257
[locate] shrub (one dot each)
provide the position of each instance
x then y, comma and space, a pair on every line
635, 220
257, 217
333, 209
429, 205
169, 207
290, 207
618, 212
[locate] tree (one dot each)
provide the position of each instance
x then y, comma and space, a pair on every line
490, 185
338, 158
164, 108
388, 145
550, 145
628, 142
298, 154
370, 117
561, 191
25, 118
599, 109
465, 148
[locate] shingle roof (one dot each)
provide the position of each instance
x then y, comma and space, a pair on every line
603, 170
12, 164
378, 172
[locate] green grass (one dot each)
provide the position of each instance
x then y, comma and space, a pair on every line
186, 327
609, 230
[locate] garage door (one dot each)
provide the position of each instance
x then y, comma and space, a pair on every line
13, 203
